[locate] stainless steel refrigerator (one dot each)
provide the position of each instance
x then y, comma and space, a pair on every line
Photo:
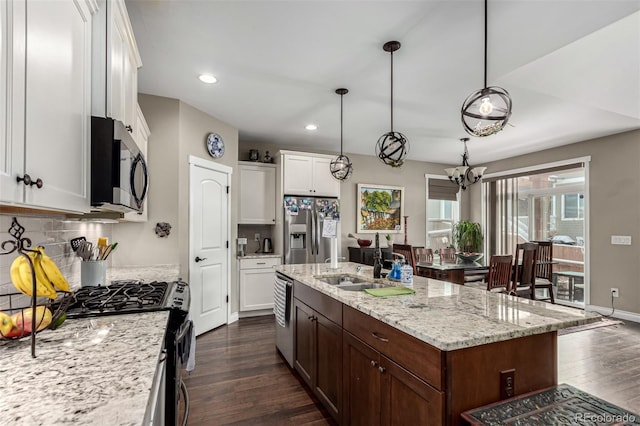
303, 224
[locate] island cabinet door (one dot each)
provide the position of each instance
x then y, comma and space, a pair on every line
328, 377
303, 343
407, 400
361, 382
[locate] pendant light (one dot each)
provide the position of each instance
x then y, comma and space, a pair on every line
486, 111
465, 175
392, 147
341, 168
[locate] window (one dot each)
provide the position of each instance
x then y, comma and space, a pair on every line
442, 211
572, 206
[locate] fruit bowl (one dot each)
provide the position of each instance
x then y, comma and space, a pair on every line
364, 243
469, 257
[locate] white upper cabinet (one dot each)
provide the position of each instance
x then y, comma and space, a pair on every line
115, 64
257, 193
46, 80
141, 136
308, 174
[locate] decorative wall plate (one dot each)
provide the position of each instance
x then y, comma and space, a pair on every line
215, 145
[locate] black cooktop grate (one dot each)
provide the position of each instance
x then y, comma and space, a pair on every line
118, 298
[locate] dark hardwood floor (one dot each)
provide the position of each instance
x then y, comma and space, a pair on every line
240, 378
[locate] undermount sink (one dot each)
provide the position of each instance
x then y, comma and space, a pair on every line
349, 283
340, 279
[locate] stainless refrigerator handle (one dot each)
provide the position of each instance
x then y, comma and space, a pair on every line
318, 234
312, 228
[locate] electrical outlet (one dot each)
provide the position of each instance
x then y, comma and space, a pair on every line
256, 237
614, 292
507, 383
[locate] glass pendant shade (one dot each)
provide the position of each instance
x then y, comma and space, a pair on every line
341, 167
392, 147
486, 111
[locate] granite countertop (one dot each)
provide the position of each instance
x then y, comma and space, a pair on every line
446, 315
259, 256
90, 371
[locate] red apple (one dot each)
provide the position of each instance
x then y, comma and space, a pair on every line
22, 320
5, 324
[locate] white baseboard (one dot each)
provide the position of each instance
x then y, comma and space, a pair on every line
618, 313
233, 317
258, 313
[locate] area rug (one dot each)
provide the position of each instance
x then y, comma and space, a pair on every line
605, 322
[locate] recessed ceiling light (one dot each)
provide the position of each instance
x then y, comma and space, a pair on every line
311, 127
208, 78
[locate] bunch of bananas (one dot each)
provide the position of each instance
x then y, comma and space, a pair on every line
48, 276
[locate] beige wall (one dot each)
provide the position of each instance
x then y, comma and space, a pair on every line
177, 131
138, 243
614, 209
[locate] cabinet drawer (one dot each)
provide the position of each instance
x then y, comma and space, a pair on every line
422, 359
267, 262
323, 304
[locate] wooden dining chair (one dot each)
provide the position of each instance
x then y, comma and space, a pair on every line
523, 284
448, 255
407, 251
544, 268
423, 255
499, 276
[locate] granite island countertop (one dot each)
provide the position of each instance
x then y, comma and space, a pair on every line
445, 315
90, 371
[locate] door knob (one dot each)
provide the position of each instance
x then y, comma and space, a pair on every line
200, 259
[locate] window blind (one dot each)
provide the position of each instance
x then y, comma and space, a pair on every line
441, 189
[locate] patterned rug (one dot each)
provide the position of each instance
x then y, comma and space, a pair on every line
605, 322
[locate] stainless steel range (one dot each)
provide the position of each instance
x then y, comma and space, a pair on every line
134, 297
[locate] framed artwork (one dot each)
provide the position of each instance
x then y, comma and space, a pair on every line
380, 208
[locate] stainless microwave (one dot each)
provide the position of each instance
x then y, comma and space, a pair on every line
119, 174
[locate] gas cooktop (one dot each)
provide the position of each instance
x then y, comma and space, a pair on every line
122, 297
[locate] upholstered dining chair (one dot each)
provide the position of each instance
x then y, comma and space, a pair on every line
524, 282
544, 268
407, 251
499, 276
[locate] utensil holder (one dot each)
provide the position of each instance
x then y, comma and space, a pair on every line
93, 273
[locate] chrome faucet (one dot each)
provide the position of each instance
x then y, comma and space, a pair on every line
358, 268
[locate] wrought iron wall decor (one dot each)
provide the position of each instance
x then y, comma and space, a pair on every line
341, 167
486, 111
392, 147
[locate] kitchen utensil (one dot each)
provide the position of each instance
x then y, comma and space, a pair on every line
76, 242
85, 250
267, 246
102, 247
107, 252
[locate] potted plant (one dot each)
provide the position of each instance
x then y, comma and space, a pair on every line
467, 236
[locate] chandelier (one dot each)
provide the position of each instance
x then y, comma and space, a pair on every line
341, 167
392, 147
465, 175
486, 111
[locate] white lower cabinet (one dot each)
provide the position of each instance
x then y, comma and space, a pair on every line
256, 283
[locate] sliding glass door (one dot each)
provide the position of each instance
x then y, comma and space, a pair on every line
542, 205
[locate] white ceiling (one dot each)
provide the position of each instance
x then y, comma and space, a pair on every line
572, 68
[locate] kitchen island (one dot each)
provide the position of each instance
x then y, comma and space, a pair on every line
445, 349
90, 371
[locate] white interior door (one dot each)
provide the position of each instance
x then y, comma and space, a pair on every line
209, 224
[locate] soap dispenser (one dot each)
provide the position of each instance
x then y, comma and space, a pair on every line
396, 271
407, 275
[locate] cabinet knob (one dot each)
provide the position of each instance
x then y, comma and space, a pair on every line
373, 363
26, 179
381, 369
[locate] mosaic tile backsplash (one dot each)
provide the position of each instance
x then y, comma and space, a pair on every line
54, 234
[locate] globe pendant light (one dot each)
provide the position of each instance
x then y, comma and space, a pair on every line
341, 168
392, 147
486, 111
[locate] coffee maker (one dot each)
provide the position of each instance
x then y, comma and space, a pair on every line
242, 247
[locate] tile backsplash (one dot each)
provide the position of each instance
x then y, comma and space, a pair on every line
249, 231
54, 234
